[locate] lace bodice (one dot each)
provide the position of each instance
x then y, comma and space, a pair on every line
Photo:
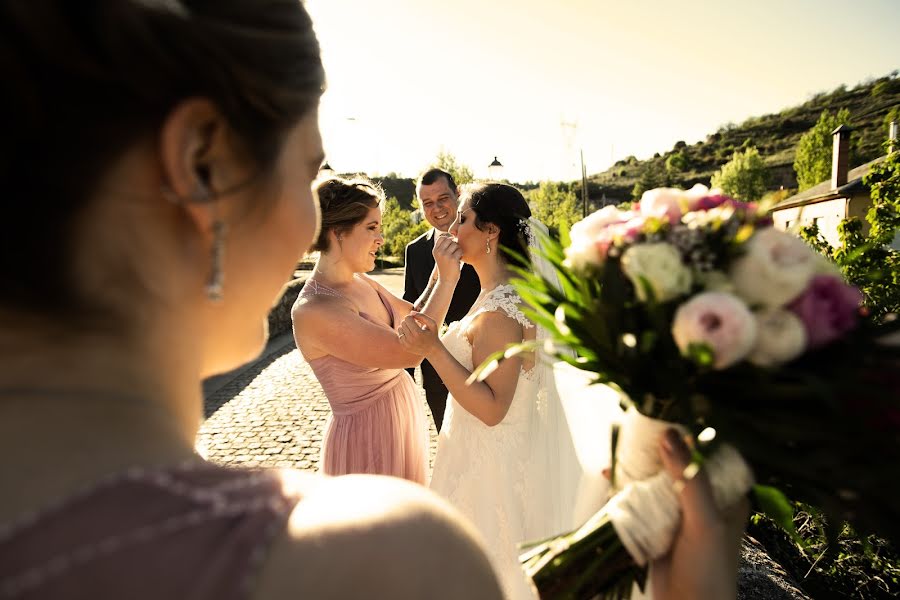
503, 298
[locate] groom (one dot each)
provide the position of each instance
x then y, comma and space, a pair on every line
438, 195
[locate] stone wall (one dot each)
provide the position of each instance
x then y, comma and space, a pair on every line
280, 315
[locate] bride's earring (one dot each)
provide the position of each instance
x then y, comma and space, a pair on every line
487, 246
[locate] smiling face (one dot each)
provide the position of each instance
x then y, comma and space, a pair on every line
360, 245
438, 202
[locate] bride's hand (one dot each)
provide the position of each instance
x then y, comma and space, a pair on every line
419, 334
447, 256
703, 561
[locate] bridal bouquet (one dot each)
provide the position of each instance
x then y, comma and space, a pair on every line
706, 317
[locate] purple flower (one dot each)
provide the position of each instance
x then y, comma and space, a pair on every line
828, 307
708, 202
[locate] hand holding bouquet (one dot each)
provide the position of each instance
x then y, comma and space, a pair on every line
706, 317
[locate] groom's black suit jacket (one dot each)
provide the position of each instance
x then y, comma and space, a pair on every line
419, 264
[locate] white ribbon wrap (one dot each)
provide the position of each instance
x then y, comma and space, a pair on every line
646, 512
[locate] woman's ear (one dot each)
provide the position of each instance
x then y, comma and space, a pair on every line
198, 158
186, 148
335, 239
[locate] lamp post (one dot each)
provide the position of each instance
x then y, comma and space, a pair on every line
495, 170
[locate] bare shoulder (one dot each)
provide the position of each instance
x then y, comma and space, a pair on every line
495, 324
375, 537
370, 280
313, 308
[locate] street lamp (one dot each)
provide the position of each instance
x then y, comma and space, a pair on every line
325, 170
495, 170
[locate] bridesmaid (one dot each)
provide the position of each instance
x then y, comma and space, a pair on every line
345, 325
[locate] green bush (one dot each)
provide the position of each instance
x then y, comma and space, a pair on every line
555, 205
745, 176
813, 159
867, 260
398, 228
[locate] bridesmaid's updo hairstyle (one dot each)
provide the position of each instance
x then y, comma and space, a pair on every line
85, 81
344, 203
504, 206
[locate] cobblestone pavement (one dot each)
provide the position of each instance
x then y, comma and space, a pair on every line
272, 412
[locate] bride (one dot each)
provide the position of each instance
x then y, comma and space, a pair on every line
503, 459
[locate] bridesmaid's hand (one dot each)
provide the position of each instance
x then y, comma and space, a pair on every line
419, 334
703, 561
447, 256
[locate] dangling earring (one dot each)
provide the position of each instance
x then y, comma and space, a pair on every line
487, 246
215, 283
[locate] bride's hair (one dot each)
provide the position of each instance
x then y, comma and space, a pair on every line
504, 206
344, 203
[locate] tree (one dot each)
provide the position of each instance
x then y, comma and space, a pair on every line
745, 176
871, 260
555, 205
460, 172
653, 175
676, 163
398, 228
813, 159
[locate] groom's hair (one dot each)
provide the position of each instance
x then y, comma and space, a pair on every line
432, 175
504, 206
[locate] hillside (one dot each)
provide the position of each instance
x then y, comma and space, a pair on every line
774, 135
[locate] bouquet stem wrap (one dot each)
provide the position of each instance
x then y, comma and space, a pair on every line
645, 512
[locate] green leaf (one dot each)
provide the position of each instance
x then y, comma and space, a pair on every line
777, 507
701, 354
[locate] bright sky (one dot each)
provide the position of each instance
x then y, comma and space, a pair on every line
479, 78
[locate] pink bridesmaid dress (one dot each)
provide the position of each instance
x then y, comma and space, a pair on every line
378, 424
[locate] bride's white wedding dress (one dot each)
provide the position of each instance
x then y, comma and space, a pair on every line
488, 472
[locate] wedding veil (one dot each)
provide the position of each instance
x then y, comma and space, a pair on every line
571, 428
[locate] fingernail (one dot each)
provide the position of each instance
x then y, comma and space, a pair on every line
670, 441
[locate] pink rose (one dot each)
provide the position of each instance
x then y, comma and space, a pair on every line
664, 203
828, 308
719, 320
630, 230
591, 237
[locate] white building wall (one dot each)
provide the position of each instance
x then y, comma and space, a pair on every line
826, 214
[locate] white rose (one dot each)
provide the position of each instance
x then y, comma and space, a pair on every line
700, 191
660, 266
780, 338
589, 238
719, 320
664, 203
776, 268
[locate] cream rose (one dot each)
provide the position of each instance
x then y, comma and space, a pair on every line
780, 338
776, 268
658, 265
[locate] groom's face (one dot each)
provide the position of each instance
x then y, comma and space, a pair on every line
438, 203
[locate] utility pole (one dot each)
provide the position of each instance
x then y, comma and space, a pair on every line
584, 194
